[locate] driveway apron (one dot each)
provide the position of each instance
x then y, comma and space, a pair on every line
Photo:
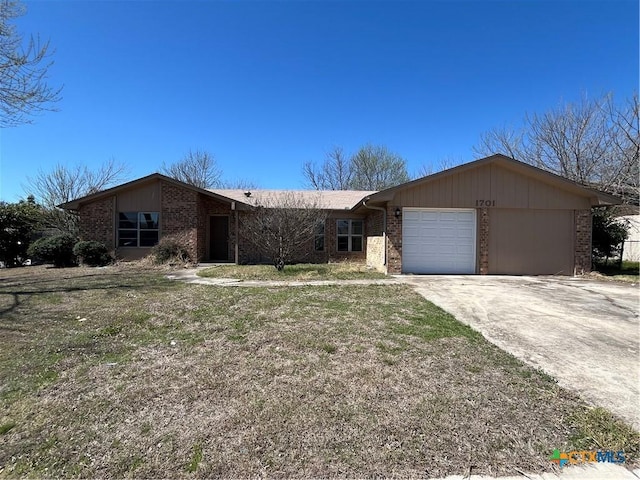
583, 332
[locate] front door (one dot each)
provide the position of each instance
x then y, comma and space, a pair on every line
219, 239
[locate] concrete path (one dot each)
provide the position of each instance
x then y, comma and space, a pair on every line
583, 332
190, 276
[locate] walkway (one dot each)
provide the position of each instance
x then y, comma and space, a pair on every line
190, 276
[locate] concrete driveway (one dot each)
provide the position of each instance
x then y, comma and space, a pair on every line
583, 332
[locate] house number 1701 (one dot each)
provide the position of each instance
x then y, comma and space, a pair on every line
485, 203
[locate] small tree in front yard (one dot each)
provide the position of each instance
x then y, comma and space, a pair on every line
18, 224
283, 228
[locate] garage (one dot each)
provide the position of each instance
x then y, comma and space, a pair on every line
519, 235
492, 216
439, 240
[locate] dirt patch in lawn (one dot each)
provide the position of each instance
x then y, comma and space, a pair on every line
118, 372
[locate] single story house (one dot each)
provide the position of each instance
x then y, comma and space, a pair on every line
495, 215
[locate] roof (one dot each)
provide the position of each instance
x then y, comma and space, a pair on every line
352, 199
326, 199
597, 197
75, 204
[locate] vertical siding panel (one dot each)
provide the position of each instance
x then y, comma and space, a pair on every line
507, 187
140, 199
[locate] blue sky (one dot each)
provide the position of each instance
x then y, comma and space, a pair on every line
267, 85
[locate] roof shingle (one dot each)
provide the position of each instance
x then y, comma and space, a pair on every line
328, 199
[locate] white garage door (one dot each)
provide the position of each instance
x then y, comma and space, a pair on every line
438, 240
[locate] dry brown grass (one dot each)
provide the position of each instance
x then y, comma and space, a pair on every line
118, 372
301, 271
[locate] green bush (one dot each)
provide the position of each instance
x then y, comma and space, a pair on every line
94, 254
19, 223
170, 250
57, 249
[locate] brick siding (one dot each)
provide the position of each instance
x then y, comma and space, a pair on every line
483, 241
374, 223
96, 222
207, 207
394, 241
583, 223
249, 254
179, 216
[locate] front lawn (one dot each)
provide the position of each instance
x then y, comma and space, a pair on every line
301, 271
119, 372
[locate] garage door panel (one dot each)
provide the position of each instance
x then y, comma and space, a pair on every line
412, 215
449, 217
427, 216
438, 241
531, 242
465, 249
413, 231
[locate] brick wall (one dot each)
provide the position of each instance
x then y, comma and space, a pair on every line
96, 222
179, 216
249, 254
207, 207
483, 240
374, 224
394, 241
582, 259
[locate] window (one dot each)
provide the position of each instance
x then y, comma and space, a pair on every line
350, 235
319, 237
138, 229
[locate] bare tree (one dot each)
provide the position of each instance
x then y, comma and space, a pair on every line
372, 167
197, 168
376, 168
443, 164
334, 173
23, 71
594, 142
63, 184
283, 228
240, 184
626, 146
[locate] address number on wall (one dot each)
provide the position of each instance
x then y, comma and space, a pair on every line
485, 203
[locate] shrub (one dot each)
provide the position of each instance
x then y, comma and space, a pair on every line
94, 254
57, 249
170, 250
19, 222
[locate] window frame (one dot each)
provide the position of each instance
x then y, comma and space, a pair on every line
350, 235
138, 229
319, 235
